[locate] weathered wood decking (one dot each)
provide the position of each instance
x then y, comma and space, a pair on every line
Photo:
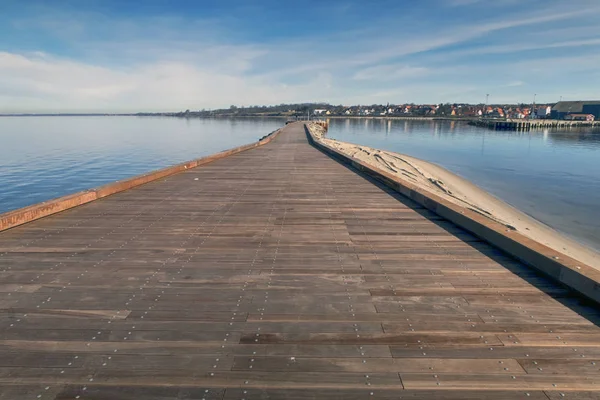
279, 273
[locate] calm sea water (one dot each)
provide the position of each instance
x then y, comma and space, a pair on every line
46, 157
553, 176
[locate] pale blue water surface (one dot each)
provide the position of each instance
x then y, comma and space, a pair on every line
42, 158
553, 176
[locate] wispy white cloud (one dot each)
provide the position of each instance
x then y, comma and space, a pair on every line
460, 3
389, 72
487, 3
375, 50
527, 46
44, 83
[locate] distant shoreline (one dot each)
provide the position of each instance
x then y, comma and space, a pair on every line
171, 115
407, 118
68, 115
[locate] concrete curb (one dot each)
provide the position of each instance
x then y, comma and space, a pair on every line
580, 277
36, 211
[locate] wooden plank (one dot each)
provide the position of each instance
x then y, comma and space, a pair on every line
385, 394
572, 395
400, 365
31, 391
499, 382
551, 339
488, 327
135, 335
406, 339
518, 352
196, 348
219, 379
98, 392
580, 366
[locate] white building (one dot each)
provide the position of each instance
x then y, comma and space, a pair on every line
543, 112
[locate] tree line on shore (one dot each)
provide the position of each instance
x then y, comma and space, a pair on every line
298, 110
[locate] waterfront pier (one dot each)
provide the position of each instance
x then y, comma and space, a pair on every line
527, 124
279, 272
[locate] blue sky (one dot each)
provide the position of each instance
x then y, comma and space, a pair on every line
154, 55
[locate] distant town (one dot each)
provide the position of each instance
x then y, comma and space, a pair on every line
565, 110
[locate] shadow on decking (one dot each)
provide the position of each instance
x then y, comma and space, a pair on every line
568, 298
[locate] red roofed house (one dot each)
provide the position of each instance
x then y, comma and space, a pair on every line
580, 117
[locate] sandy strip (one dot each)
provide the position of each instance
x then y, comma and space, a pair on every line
451, 187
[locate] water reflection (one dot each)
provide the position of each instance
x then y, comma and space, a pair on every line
578, 138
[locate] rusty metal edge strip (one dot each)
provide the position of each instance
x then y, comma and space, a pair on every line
576, 275
34, 212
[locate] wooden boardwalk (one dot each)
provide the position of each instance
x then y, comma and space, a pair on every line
278, 273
